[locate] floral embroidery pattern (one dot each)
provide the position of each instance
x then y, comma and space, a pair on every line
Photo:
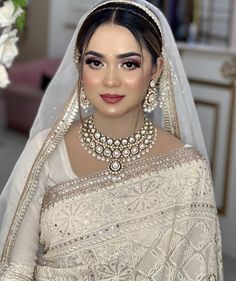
115, 271
68, 218
158, 226
142, 197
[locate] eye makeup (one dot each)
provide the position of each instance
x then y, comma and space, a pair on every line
93, 62
130, 64
127, 62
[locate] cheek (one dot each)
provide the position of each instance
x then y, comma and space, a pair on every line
132, 83
90, 80
138, 83
133, 80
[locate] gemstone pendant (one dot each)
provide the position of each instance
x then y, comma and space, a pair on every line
115, 166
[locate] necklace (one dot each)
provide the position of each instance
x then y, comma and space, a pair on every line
117, 151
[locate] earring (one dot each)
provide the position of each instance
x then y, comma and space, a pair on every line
151, 101
84, 102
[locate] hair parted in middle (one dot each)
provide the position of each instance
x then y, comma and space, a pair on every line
137, 21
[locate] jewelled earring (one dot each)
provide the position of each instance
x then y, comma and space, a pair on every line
151, 100
84, 102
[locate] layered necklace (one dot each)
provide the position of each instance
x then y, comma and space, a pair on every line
117, 151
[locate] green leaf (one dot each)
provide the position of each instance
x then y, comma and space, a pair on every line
19, 3
20, 22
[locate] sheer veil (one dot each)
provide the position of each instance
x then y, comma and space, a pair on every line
58, 110
66, 77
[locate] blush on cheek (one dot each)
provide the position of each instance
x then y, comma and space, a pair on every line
132, 82
90, 80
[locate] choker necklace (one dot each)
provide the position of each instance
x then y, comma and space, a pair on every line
117, 151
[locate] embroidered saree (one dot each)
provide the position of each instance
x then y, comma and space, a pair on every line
159, 223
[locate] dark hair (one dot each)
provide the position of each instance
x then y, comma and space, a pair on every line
133, 18
139, 23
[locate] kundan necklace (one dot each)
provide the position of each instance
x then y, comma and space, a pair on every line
117, 151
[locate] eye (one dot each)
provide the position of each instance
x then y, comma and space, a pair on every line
130, 65
93, 63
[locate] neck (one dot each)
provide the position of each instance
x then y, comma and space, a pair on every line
119, 127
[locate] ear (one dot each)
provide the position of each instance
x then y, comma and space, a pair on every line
157, 68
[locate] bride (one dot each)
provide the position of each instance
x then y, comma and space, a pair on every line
113, 183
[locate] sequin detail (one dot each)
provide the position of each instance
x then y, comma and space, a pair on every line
99, 180
155, 225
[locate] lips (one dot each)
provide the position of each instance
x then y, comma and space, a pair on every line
112, 98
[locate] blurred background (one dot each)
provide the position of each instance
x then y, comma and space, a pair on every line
205, 31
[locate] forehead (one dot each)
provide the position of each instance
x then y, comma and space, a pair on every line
112, 38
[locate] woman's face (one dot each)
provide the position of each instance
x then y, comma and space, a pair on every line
116, 73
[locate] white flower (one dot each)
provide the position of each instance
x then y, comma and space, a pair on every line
9, 14
4, 81
8, 49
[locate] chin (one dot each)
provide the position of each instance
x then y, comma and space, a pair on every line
117, 111
111, 113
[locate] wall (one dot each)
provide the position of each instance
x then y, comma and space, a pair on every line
33, 42
58, 37
228, 222
64, 16
233, 27
49, 27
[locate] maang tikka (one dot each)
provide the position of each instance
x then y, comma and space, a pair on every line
151, 99
84, 102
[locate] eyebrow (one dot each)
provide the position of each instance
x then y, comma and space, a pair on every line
121, 56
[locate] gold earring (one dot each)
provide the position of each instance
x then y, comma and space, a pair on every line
84, 102
151, 99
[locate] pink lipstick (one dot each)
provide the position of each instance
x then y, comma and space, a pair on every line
112, 98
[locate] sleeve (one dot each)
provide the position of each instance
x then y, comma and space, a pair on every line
27, 245
24, 255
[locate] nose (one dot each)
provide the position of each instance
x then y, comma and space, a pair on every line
112, 78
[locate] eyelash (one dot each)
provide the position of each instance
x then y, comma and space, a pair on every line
92, 61
134, 64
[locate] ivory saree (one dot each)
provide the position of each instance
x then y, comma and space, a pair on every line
160, 223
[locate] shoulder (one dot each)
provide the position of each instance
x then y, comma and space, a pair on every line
34, 144
166, 142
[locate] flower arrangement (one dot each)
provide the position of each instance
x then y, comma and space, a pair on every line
12, 19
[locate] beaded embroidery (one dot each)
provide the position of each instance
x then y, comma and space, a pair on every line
99, 180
